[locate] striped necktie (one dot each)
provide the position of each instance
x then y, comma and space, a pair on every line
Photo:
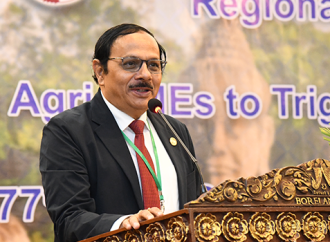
149, 188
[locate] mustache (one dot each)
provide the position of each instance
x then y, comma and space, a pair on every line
142, 84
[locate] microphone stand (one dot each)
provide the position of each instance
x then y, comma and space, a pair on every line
203, 187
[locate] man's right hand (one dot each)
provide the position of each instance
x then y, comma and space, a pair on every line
134, 220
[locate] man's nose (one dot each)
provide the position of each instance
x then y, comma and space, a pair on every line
144, 71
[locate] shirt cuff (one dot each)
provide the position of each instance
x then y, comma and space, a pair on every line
118, 222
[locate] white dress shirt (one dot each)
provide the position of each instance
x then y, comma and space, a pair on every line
167, 169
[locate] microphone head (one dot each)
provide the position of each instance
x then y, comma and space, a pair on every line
155, 105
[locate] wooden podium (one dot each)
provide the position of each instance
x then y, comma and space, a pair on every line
287, 204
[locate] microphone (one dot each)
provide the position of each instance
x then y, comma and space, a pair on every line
155, 106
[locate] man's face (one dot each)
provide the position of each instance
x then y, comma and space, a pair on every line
131, 91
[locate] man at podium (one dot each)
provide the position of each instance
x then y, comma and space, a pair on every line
111, 163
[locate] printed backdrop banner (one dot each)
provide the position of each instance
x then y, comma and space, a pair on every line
248, 77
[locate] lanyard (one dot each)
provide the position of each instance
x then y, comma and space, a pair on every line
158, 180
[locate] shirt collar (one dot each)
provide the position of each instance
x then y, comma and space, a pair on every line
123, 119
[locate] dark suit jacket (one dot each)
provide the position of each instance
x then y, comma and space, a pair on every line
88, 174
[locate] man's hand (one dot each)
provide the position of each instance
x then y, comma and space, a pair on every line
134, 220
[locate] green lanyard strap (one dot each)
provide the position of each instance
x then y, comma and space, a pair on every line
158, 180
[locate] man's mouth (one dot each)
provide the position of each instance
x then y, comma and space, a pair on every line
141, 87
141, 90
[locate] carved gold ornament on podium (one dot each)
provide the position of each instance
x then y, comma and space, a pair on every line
262, 228
315, 228
177, 230
133, 236
155, 232
234, 227
278, 184
287, 226
207, 228
112, 239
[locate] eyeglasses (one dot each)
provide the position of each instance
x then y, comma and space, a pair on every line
133, 64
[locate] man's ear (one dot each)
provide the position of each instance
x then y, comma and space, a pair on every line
98, 70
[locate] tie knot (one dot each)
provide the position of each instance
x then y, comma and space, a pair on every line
137, 126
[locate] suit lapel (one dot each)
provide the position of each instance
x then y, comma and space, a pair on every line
174, 153
111, 136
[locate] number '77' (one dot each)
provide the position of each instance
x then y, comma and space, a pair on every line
10, 194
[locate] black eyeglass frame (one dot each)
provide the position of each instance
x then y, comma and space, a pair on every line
162, 63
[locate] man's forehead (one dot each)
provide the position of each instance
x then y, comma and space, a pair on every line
138, 40
140, 32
